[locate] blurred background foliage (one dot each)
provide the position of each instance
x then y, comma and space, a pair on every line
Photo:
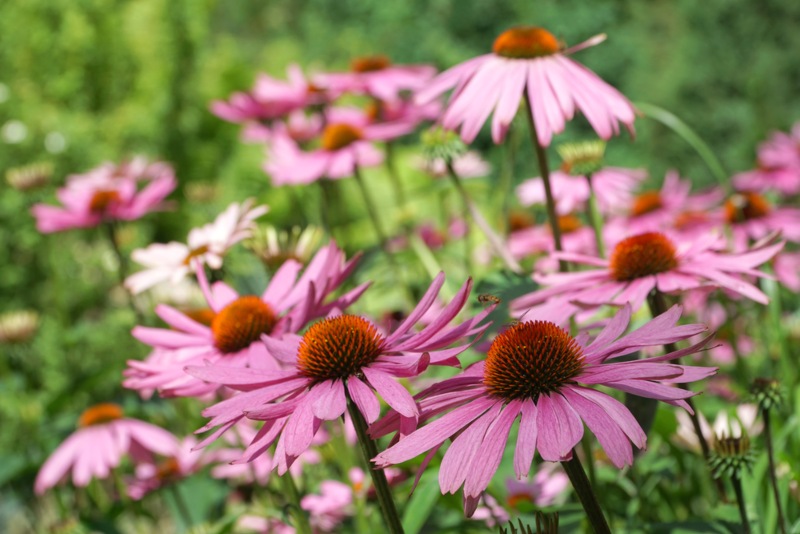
83, 81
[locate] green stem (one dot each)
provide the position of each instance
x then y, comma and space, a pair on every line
180, 503
544, 170
370, 451
690, 136
772, 477
737, 489
300, 519
577, 476
494, 240
593, 212
507, 177
122, 268
587, 452
373, 214
394, 176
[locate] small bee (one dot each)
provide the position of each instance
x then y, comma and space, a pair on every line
486, 298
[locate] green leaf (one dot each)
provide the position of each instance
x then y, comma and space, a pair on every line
420, 505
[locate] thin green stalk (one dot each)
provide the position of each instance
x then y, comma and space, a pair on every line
373, 214
426, 257
587, 452
180, 503
690, 136
596, 220
544, 170
494, 240
772, 477
370, 451
394, 176
122, 267
737, 489
507, 177
301, 523
577, 476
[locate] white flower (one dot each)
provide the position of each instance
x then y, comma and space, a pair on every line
208, 244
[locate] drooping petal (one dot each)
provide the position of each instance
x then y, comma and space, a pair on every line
559, 427
364, 399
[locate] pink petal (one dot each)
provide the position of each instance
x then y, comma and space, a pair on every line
526, 439
331, 402
559, 427
393, 393
459, 458
492, 448
436, 432
365, 400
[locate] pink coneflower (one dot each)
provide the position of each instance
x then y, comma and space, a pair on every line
345, 144
229, 464
377, 77
342, 357
271, 98
787, 270
528, 61
103, 195
781, 149
237, 324
470, 164
298, 126
532, 240
537, 372
548, 484
207, 244
151, 476
399, 112
785, 180
641, 263
657, 209
778, 165
331, 507
612, 185
751, 217
103, 437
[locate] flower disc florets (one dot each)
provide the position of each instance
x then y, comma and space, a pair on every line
642, 255
240, 323
526, 42
746, 206
531, 358
338, 347
339, 135
102, 200
100, 414
370, 63
647, 202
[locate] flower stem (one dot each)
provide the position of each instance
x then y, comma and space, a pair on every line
544, 170
394, 176
577, 476
773, 479
596, 220
122, 267
373, 214
477, 217
180, 503
587, 452
370, 451
737, 488
300, 519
